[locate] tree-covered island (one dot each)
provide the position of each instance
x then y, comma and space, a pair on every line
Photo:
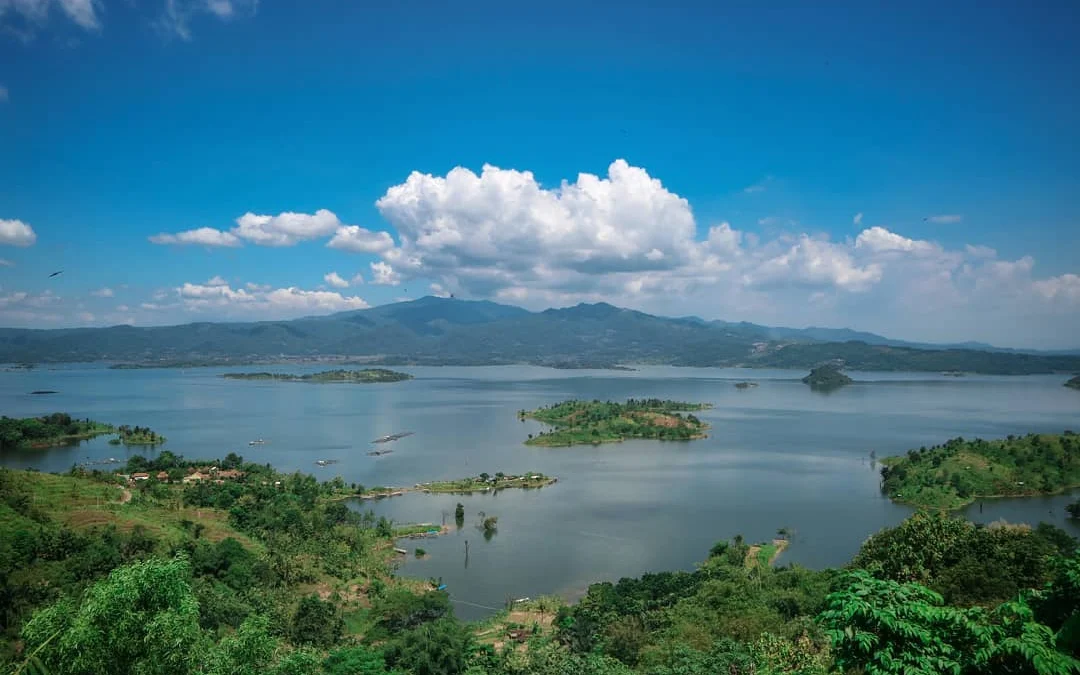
958, 472
363, 376
826, 378
1074, 383
590, 422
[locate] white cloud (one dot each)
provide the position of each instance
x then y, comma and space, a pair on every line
85, 317
178, 15
759, 186
36, 12
123, 308
359, 240
16, 233
335, 280
102, 293
879, 240
946, 219
814, 262
357, 279
82, 12
216, 280
383, 274
285, 229
203, 236
438, 291
4, 262
259, 302
3, 94
858, 218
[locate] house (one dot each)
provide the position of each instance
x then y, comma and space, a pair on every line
163, 476
140, 476
230, 474
195, 477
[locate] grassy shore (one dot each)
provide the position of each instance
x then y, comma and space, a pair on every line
594, 422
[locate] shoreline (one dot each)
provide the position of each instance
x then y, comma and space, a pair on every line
976, 498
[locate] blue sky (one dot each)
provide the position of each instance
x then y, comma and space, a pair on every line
951, 130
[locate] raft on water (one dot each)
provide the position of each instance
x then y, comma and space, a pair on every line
392, 437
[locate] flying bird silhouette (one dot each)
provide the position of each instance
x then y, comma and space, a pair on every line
56, 274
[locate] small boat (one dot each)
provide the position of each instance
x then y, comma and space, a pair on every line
257, 441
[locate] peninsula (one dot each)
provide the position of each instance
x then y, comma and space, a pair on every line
826, 378
364, 376
48, 431
591, 422
958, 472
1073, 383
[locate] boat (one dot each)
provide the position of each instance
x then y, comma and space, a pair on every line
392, 437
257, 441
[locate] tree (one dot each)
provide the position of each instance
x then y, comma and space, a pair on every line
142, 619
316, 622
441, 647
358, 660
246, 652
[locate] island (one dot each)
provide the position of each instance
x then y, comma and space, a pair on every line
48, 431
1073, 383
591, 422
826, 378
486, 482
364, 376
745, 385
136, 436
960, 471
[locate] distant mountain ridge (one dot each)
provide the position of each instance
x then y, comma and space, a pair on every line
444, 331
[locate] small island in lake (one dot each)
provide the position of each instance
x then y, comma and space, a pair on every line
486, 482
136, 436
745, 385
826, 378
591, 422
48, 431
364, 376
1073, 383
957, 473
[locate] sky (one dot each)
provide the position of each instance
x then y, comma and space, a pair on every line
909, 170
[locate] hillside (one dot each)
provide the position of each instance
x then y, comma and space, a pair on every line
442, 331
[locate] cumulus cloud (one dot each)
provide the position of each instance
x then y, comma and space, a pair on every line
103, 293
335, 280
357, 279
383, 274
179, 14
4, 262
203, 236
216, 280
255, 301
359, 240
880, 240
946, 219
858, 218
284, 229
16, 233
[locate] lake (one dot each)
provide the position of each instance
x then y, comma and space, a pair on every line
778, 455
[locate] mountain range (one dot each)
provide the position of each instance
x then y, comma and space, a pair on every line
444, 331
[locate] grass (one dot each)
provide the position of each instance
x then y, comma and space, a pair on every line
414, 528
529, 479
594, 422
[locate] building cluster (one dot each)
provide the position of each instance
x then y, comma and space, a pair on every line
193, 475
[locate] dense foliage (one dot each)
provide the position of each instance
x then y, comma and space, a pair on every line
959, 472
582, 422
364, 375
40, 432
826, 378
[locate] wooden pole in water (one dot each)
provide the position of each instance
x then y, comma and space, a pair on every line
466, 554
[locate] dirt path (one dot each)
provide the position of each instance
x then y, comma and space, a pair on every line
125, 496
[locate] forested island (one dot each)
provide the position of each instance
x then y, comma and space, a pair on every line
363, 376
246, 570
48, 431
826, 378
136, 435
591, 422
486, 482
958, 472
1074, 383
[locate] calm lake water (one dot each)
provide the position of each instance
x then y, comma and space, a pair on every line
778, 455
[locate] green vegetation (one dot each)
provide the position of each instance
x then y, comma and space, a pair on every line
959, 472
1074, 510
137, 436
48, 431
1074, 383
584, 422
266, 574
486, 482
826, 378
363, 376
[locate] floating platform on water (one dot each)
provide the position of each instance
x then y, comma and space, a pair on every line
392, 437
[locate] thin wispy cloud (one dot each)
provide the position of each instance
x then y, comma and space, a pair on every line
178, 16
3, 94
946, 219
857, 219
759, 186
